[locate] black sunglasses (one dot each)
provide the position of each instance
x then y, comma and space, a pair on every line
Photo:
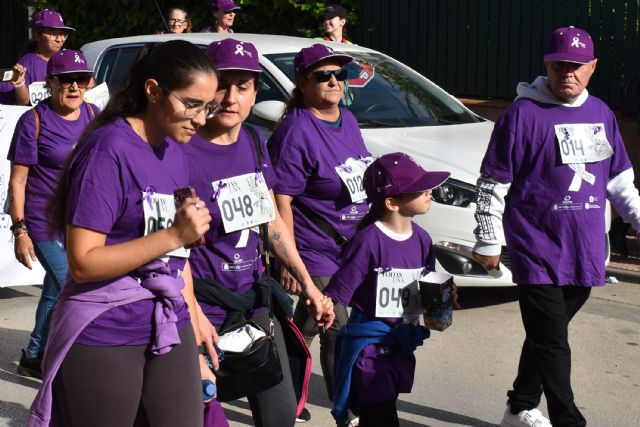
66, 81
325, 75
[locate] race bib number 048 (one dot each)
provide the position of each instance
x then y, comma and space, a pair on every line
159, 212
244, 201
351, 172
398, 293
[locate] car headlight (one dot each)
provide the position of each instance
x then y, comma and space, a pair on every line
455, 193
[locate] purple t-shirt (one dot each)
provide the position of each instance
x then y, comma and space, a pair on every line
232, 259
369, 252
45, 158
555, 234
108, 175
379, 373
305, 152
36, 72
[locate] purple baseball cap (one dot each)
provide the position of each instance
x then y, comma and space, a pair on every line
570, 44
49, 19
311, 55
67, 61
226, 5
397, 173
231, 54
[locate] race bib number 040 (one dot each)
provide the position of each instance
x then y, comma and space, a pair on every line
244, 201
159, 212
583, 142
398, 293
351, 172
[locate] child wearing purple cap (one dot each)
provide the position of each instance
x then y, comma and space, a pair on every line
49, 34
123, 335
383, 261
42, 139
222, 159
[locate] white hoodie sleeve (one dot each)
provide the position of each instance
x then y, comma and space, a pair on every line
624, 197
489, 210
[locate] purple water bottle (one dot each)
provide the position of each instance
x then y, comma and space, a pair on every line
209, 389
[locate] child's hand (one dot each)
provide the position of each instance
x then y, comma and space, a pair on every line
320, 307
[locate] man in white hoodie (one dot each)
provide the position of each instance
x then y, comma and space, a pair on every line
555, 156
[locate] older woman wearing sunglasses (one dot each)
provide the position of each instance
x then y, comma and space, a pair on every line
43, 138
319, 158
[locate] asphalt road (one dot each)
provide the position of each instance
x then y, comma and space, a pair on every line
462, 373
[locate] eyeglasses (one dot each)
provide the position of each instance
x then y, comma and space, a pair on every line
66, 81
325, 75
191, 111
53, 33
177, 21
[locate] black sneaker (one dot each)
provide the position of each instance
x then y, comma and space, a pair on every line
304, 416
30, 366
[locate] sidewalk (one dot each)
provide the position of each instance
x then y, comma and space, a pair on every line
626, 267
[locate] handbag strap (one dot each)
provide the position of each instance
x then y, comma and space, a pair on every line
264, 228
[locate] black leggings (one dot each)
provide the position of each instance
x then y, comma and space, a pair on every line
105, 386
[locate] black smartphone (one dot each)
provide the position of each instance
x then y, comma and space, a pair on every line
179, 196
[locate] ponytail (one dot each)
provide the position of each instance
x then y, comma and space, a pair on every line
376, 212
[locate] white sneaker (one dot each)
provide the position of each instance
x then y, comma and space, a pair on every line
354, 422
531, 418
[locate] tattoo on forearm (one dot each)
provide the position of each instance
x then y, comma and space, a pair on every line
280, 249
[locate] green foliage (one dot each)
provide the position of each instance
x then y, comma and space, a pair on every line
119, 18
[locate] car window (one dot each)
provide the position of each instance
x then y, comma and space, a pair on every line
115, 63
383, 93
269, 89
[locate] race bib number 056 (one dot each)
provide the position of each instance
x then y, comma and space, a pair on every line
159, 212
244, 201
398, 293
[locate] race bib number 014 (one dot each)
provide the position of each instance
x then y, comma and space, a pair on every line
159, 212
244, 201
351, 172
582, 143
398, 293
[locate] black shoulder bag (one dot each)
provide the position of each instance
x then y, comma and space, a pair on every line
257, 368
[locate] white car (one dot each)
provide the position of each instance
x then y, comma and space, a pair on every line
397, 109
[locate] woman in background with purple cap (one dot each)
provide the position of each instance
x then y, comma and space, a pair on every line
121, 339
223, 156
49, 34
223, 13
319, 157
42, 139
389, 252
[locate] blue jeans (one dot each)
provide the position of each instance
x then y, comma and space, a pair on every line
53, 258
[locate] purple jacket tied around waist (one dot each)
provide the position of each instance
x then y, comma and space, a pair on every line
79, 304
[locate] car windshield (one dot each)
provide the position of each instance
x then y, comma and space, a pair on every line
382, 93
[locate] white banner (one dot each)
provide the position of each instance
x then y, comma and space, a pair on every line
12, 273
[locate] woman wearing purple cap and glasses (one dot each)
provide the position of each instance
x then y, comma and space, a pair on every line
124, 333
43, 138
49, 34
319, 157
386, 256
223, 13
230, 169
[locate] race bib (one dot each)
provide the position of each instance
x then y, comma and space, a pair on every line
398, 293
244, 201
159, 212
582, 143
351, 172
38, 92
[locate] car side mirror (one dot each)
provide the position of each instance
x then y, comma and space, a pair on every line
270, 111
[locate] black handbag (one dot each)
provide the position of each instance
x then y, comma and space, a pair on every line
258, 367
